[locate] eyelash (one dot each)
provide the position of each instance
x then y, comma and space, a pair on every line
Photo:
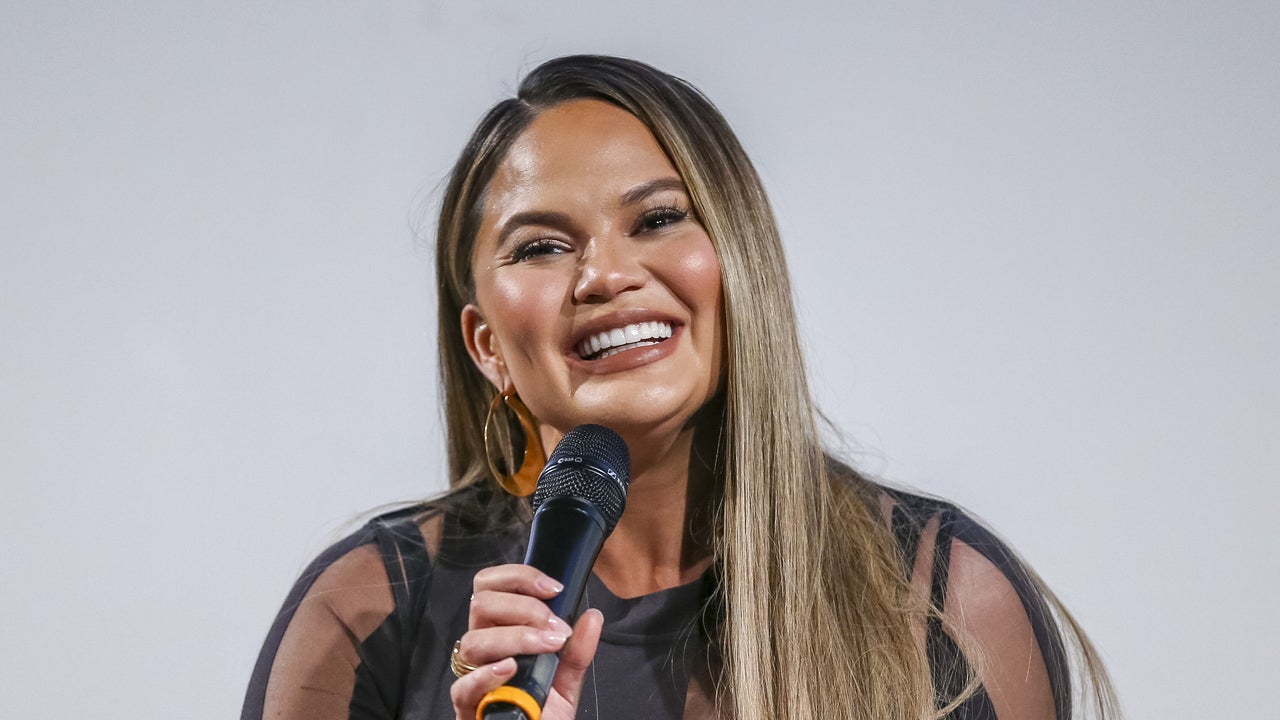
533, 248
652, 220
667, 215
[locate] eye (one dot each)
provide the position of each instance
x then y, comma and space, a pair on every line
659, 218
535, 248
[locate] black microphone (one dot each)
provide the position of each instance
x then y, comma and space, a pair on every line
580, 497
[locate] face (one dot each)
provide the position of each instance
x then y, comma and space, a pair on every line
597, 290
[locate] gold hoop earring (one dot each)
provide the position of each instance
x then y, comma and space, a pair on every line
523, 481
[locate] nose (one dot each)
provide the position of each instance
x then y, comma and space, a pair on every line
608, 267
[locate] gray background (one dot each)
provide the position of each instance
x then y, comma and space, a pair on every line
1034, 247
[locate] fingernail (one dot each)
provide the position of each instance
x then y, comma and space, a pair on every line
502, 667
554, 638
559, 625
549, 585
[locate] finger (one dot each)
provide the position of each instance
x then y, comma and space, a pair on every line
467, 691
577, 655
491, 608
521, 579
488, 645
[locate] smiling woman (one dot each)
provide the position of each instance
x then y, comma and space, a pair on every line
588, 237
606, 254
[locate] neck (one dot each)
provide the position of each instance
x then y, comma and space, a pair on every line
664, 537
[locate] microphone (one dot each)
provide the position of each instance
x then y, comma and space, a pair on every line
581, 494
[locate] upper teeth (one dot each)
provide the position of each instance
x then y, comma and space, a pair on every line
625, 335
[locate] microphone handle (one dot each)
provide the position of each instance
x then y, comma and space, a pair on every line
565, 537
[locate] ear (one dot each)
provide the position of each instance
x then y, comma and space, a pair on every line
484, 349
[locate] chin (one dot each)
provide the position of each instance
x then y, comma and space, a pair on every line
650, 421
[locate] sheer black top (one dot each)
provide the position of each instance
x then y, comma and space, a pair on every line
367, 630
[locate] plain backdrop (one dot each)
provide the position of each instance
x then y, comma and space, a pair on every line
1034, 247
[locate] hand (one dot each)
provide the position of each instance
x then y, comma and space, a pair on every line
509, 617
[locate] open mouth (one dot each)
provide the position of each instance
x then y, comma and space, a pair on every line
608, 343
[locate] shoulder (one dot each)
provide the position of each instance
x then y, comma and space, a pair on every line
392, 554
991, 610
355, 577
344, 613
938, 532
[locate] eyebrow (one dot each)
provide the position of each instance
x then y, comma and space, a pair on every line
644, 190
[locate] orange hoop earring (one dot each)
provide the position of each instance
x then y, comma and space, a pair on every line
523, 481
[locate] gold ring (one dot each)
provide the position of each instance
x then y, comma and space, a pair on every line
459, 666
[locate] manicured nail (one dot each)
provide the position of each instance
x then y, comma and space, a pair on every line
502, 667
554, 638
559, 625
546, 584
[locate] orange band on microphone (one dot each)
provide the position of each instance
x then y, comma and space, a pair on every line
513, 695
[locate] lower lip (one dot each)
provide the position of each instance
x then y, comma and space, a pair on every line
628, 359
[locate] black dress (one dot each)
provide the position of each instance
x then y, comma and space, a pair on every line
366, 631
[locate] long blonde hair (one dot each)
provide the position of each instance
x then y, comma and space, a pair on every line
800, 552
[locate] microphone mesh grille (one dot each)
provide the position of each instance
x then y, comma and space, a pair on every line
590, 463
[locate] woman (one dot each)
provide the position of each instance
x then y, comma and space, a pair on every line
606, 254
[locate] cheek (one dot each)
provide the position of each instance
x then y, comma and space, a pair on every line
696, 275
522, 311
699, 277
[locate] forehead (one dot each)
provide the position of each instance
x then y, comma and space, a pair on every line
579, 151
